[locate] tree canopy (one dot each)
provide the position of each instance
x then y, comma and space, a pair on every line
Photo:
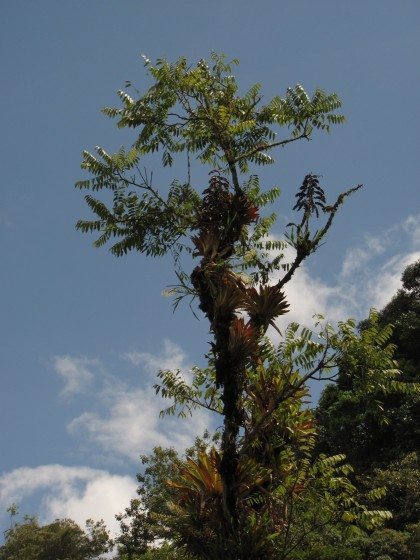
62, 539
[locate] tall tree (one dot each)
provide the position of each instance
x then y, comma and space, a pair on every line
233, 492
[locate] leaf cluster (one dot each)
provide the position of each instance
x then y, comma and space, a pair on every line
138, 214
199, 109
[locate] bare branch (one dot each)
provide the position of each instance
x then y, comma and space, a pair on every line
304, 252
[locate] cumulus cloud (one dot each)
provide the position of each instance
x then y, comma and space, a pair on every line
132, 426
123, 421
370, 275
171, 358
308, 295
357, 258
128, 423
77, 373
382, 286
79, 493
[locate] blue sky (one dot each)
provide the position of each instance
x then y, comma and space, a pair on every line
83, 333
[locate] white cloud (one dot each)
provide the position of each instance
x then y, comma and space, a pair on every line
132, 426
128, 423
79, 493
386, 282
369, 277
308, 296
76, 373
123, 422
357, 258
101, 498
171, 358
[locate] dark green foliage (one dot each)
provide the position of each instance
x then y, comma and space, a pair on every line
388, 544
165, 552
403, 311
349, 420
144, 520
61, 540
402, 479
146, 221
276, 446
329, 552
135, 531
382, 544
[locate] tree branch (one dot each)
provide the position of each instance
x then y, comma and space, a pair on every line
303, 253
263, 147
